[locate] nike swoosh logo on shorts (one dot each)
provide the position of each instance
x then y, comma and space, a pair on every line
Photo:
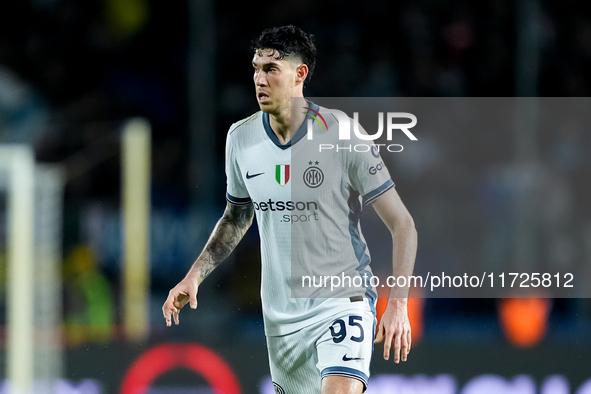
345, 358
248, 176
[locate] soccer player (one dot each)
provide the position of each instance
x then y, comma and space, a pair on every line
307, 206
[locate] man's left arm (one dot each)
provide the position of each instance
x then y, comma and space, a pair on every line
394, 326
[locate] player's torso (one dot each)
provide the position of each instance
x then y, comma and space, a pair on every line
302, 200
295, 189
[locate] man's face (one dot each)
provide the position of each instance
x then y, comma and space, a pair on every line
275, 81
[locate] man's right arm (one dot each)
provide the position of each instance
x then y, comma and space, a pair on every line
227, 233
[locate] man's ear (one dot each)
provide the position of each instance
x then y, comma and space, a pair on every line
301, 73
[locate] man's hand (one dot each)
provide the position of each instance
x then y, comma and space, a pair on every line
395, 328
183, 293
227, 233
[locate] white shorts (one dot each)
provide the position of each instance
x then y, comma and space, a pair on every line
341, 345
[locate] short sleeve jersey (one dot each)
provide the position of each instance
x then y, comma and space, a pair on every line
307, 203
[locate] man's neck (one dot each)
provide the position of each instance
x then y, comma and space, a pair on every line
281, 124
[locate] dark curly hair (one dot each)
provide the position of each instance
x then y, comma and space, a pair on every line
288, 41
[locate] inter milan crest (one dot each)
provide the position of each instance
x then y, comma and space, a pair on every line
282, 174
313, 176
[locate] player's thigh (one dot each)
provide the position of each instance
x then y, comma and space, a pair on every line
341, 385
346, 346
292, 361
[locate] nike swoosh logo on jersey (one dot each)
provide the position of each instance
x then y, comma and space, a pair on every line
345, 358
248, 176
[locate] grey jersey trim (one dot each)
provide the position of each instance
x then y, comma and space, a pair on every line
348, 372
302, 131
359, 246
374, 194
238, 200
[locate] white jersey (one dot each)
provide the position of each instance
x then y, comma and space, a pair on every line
307, 206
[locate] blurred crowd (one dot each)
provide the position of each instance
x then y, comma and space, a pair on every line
72, 71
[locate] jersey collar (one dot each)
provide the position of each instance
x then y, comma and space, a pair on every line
297, 136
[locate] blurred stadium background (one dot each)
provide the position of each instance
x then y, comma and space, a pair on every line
76, 76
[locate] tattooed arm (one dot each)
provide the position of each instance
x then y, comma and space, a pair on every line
227, 233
